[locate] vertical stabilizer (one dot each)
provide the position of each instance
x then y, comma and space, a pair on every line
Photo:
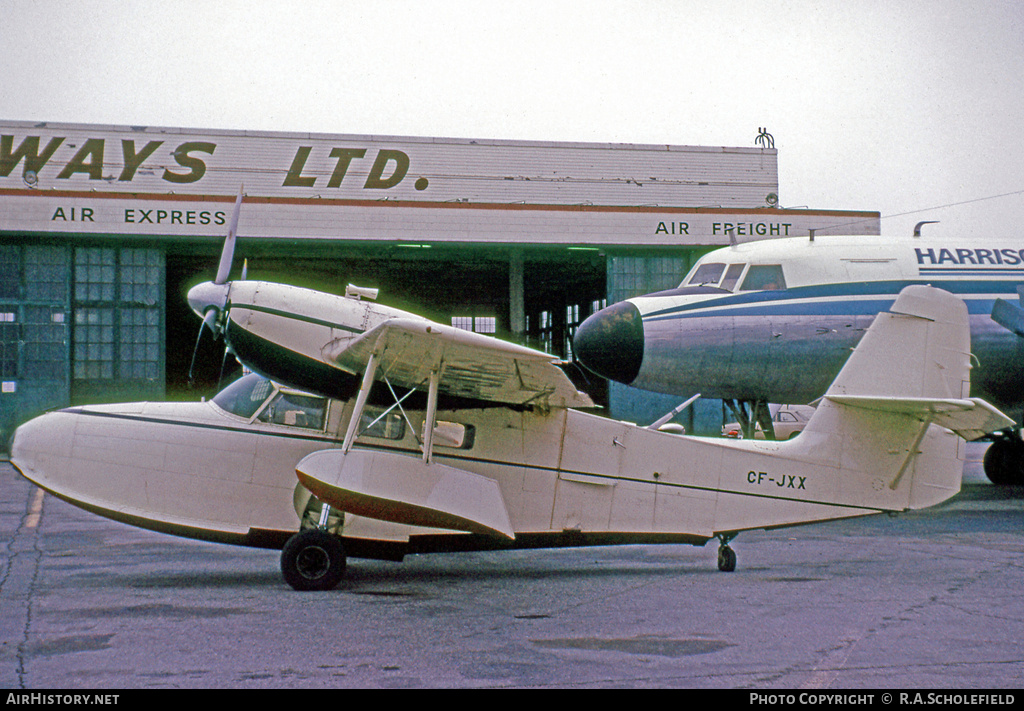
887, 418
919, 349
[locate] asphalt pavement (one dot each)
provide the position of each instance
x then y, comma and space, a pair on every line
927, 600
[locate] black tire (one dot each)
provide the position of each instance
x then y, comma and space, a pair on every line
1004, 462
313, 560
726, 559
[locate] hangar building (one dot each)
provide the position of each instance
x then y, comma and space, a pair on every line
104, 228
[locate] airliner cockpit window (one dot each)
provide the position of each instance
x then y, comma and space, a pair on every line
244, 396
706, 274
764, 277
732, 275
295, 410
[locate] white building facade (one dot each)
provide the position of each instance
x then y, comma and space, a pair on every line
103, 227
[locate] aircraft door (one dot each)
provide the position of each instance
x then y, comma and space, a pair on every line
593, 450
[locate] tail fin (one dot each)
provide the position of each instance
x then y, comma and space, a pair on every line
889, 412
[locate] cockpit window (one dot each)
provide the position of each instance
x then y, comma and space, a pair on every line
244, 396
732, 275
710, 274
295, 410
247, 395
706, 274
764, 277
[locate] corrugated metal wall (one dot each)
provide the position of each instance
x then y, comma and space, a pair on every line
158, 160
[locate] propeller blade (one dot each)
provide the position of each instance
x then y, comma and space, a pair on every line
245, 268
223, 363
1009, 315
228, 253
207, 321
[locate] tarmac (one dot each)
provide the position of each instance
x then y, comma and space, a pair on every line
924, 600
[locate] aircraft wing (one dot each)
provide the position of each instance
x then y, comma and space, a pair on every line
468, 364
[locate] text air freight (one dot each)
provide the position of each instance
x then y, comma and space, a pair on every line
738, 229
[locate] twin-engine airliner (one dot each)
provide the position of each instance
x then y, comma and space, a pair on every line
774, 321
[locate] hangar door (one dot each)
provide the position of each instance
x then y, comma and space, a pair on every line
34, 365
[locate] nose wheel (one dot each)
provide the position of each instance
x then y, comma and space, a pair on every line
726, 555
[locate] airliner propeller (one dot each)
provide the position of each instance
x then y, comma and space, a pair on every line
211, 298
1010, 315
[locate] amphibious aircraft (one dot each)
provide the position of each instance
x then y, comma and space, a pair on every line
420, 437
774, 320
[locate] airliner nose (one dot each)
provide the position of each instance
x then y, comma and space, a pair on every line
611, 342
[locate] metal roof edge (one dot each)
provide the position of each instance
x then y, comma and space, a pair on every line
521, 143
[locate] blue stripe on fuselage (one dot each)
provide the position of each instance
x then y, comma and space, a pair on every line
832, 299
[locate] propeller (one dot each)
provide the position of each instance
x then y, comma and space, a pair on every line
228, 253
1010, 315
210, 298
195, 350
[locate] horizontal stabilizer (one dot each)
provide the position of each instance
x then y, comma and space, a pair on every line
971, 418
399, 488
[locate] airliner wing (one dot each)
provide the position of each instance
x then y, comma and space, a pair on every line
468, 364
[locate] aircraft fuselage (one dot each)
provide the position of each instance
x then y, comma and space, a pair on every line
225, 471
784, 341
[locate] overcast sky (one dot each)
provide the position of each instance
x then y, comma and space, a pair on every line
896, 106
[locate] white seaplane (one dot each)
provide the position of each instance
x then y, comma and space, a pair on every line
407, 436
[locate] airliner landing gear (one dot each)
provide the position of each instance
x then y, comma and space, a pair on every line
726, 555
313, 560
1004, 460
750, 414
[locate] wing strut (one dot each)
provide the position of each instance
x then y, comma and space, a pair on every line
364, 392
398, 404
431, 415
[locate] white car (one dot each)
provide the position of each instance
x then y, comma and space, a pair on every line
788, 421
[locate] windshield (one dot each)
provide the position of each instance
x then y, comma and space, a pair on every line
709, 275
244, 396
706, 274
767, 277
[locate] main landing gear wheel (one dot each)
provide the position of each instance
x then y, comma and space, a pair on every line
313, 560
726, 555
1004, 461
